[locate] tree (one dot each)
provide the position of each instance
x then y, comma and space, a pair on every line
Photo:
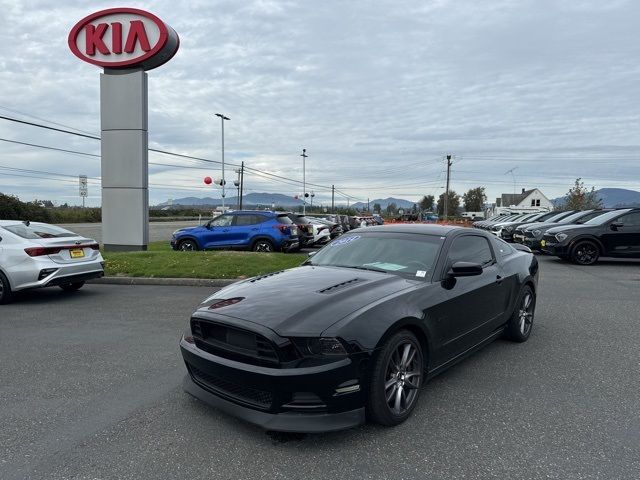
474, 199
426, 204
580, 197
414, 209
392, 209
377, 208
454, 204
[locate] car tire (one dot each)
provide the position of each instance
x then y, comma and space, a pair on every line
520, 324
396, 378
188, 245
5, 290
263, 246
72, 287
585, 253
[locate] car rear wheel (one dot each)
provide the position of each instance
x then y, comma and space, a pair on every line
263, 246
521, 321
585, 253
5, 290
396, 379
72, 287
187, 245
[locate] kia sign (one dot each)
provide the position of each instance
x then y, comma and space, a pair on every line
123, 38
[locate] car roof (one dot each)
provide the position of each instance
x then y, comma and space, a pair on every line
6, 223
422, 228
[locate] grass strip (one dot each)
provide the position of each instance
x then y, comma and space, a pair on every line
162, 262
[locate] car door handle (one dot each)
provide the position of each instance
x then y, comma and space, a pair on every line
499, 279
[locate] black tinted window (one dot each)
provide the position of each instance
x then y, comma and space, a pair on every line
249, 219
501, 247
630, 220
284, 220
470, 248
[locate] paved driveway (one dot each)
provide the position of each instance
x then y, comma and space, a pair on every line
157, 230
90, 389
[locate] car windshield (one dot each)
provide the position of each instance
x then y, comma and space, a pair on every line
557, 217
573, 217
38, 230
405, 254
605, 217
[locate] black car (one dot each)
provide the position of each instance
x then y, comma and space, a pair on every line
357, 330
520, 236
508, 229
305, 228
612, 234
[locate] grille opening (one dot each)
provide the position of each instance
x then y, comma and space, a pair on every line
262, 399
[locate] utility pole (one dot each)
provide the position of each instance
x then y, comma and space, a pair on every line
333, 192
241, 182
304, 181
446, 193
367, 204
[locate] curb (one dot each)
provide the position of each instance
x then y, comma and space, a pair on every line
181, 282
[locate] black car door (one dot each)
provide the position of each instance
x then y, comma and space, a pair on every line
475, 305
622, 236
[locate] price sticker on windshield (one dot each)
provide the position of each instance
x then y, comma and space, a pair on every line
344, 240
421, 273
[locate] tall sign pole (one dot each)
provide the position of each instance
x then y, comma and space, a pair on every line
446, 193
84, 189
304, 181
125, 42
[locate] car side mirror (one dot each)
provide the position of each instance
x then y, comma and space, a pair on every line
465, 269
616, 225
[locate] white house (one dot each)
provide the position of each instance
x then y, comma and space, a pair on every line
527, 201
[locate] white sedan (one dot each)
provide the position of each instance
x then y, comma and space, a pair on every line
35, 255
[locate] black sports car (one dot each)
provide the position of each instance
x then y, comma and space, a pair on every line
359, 327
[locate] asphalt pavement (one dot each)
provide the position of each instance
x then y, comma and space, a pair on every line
157, 230
90, 389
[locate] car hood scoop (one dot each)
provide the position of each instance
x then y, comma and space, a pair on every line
304, 301
339, 286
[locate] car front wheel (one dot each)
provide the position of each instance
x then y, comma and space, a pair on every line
72, 287
396, 378
187, 245
5, 290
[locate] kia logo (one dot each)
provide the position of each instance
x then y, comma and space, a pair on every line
123, 38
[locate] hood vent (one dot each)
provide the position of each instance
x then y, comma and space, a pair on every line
262, 277
339, 286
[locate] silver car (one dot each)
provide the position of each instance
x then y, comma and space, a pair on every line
35, 255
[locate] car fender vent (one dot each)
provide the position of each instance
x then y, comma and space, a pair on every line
262, 277
339, 286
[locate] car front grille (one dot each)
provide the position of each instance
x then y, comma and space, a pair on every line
239, 393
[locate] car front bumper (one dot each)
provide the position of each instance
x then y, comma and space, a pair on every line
532, 243
555, 248
267, 396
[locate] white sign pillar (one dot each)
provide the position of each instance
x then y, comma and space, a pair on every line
125, 159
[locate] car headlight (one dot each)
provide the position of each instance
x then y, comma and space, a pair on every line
537, 233
561, 236
323, 346
176, 232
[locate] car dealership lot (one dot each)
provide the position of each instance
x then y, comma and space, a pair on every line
91, 389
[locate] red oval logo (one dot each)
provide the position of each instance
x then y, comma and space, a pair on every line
123, 38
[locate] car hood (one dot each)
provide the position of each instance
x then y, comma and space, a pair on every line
545, 225
572, 227
188, 229
304, 301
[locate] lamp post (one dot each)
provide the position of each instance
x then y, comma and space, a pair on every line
222, 119
304, 181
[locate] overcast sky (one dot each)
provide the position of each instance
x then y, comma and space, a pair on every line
376, 91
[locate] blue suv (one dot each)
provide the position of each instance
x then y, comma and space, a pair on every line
260, 231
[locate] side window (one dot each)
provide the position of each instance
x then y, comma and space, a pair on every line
470, 248
501, 247
242, 220
222, 221
630, 219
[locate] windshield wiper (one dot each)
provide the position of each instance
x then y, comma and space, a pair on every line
360, 267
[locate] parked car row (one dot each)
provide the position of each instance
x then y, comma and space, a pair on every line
581, 236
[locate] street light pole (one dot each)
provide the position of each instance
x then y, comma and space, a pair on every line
304, 181
222, 119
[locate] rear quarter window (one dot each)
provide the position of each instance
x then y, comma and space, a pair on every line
502, 248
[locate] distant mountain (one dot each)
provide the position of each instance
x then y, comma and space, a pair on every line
400, 203
612, 197
251, 199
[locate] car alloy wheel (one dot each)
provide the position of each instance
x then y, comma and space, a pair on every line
187, 246
396, 378
585, 253
263, 246
521, 322
5, 290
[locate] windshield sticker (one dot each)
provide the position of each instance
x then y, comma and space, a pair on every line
385, 266
421, 273
344, 240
